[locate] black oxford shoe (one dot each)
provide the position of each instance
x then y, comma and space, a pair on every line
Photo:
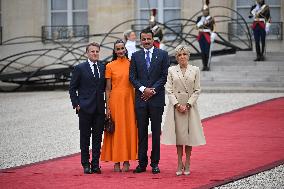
139, 169
155, 170
87, 170
96, 170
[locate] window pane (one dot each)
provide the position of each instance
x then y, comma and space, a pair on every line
245, 13
80, 18
80, 4
273, 2
145, 14
58, 4
58, 19
249, 3
171, 14
171, 3
144, 4
275, 14
244, 3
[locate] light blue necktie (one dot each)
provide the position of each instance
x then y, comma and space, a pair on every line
148, 61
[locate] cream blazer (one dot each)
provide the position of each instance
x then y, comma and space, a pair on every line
183, 128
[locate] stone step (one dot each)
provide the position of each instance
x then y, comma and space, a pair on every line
248, 68
241, 89
243, 80
230, 84
252, 54
245, 62
241, 74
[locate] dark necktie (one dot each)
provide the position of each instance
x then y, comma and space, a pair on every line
148, 61
96, 73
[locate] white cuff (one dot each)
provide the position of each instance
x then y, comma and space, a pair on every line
142, 88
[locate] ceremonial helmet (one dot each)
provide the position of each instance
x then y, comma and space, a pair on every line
153, 15
205, 5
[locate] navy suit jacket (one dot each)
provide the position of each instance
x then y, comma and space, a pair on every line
156, 77
87, 91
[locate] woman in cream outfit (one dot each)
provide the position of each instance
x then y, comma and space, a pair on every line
182, 123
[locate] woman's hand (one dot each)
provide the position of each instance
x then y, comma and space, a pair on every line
181, 108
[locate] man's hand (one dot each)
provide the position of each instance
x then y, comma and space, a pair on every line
148, 93
108, 113
78, 108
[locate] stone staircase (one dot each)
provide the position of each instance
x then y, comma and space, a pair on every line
239, 73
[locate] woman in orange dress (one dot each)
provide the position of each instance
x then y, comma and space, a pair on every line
121, 146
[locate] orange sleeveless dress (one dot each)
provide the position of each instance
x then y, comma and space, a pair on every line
122, 145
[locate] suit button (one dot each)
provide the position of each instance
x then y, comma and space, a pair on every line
178, 91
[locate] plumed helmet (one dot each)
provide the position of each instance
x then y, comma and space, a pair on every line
205, 5
153, 15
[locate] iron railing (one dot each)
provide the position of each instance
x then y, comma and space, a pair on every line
237, 31
65, 33
0, 35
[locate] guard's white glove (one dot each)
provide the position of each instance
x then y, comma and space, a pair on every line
213, 36
267, 27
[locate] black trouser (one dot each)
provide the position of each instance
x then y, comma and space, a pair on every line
91, 124
259, 35
205, 48
143, 114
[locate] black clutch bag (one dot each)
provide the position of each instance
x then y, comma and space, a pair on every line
109, 126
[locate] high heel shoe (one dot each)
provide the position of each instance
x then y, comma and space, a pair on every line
179, 171
186, 170
116, 167
126, 166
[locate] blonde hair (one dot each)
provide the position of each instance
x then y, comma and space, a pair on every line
180, 48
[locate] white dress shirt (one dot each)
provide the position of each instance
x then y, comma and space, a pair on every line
142, 88
92, 67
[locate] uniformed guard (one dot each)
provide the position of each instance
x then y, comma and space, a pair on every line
206, 25
156, 29
261, 14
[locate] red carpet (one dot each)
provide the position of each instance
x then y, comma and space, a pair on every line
239, 144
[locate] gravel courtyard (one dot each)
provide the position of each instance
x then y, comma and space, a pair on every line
36, 126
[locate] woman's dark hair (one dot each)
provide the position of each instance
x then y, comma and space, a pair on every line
114, 55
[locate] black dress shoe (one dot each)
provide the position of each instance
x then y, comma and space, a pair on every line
139, 169
155, 169
257, 59
96, 170
262, 58
87, 170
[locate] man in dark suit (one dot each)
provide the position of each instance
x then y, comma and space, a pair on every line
148, 75
86, 90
